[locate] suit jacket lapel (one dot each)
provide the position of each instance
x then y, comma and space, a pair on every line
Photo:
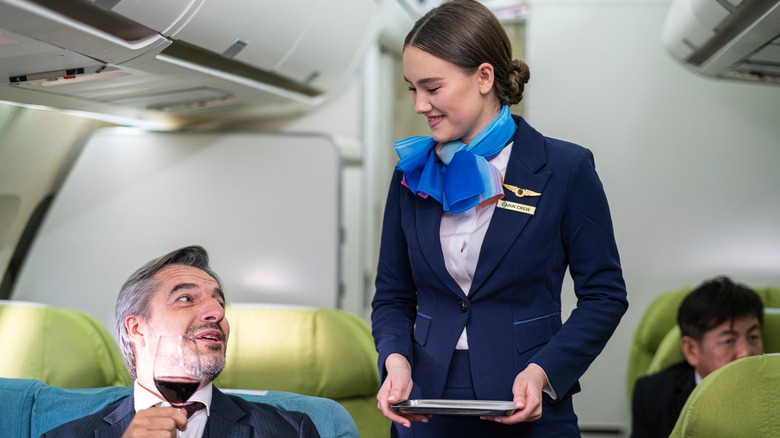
428, 225
224, 417
117, 420
523, 170
685, 383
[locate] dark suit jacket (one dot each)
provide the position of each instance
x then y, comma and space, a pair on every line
659, 399
231, 416
513, 310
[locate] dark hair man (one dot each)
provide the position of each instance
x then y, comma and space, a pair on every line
720, 321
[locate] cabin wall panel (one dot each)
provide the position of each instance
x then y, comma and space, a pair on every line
269, 219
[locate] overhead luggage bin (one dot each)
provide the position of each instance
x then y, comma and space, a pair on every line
181, 60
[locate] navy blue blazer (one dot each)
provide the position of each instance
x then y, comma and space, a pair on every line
513, 310
230, 416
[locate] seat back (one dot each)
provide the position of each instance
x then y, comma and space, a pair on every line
739, 399
658, 319
59, 346
314, 351
31, 408
657, 338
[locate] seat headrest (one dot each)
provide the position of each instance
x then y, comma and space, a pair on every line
314, 351
62, 347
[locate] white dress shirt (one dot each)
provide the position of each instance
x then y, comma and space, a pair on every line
196, 424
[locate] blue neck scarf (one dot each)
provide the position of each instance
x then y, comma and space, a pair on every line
462, 177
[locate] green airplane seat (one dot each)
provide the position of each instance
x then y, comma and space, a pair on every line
61, 347
740, 399
313, 351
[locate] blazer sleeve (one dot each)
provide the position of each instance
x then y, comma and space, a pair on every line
394, 306
589, 243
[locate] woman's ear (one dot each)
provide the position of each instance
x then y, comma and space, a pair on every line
485, 77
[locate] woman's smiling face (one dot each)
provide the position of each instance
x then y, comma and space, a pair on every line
457, 105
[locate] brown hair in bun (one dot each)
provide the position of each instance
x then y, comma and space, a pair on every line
467, 34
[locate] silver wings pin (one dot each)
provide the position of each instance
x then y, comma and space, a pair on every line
521, 193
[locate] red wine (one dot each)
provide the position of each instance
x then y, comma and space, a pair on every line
176, 390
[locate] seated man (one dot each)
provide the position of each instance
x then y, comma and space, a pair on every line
178, 293
720, 321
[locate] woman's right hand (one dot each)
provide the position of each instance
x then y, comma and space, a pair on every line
397, 387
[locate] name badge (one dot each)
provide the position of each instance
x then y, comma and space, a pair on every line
514, 206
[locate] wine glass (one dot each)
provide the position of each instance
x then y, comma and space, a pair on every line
177, 373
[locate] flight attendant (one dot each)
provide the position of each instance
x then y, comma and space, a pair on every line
482, 221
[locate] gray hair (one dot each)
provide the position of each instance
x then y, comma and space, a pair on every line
135, 294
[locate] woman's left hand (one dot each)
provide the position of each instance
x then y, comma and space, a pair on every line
527, 391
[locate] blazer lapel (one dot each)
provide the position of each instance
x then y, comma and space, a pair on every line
118, 420
224, 417
685, 383
523, 170
428, 225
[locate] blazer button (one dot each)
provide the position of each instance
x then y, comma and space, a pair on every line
464, 307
